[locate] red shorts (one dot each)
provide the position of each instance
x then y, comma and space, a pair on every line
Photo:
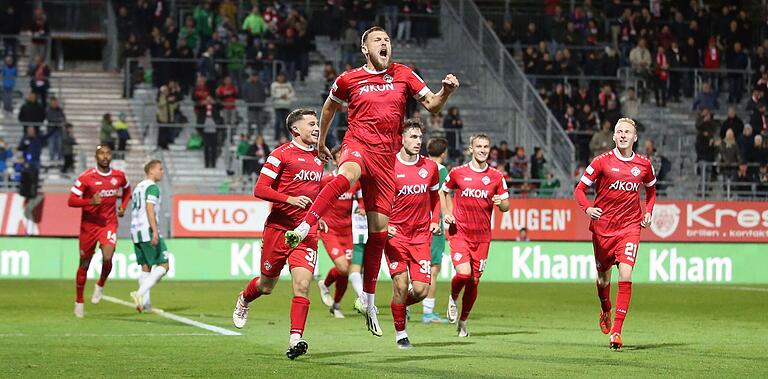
416, 258
274, 252
377, 178
610, 251
337, 246
476, 253
91, 234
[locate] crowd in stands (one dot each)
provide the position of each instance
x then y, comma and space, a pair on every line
672, 51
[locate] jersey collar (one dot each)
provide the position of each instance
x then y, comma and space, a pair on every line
617, 153
108, 173
368, 70
406, 162
302, 147
476, 170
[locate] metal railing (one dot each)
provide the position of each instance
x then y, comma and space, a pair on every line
504, 84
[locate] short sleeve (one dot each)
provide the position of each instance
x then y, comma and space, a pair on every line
591, 173
153, 194
78, 188
450, 184
126, 183
416, 85
650, 176
340, 90
434, 183
274, 164
502, 189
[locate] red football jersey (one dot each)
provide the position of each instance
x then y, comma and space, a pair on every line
109, 185
377, 103
618, 181
412, 208
472, 205
339, 217
296, 171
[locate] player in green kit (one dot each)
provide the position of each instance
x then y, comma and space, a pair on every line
437, 150
359, 237
148, 245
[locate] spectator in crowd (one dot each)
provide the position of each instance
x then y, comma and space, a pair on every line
759, 120
9, 73
746, 141
259, 151
404, 24
107, 132
705, 121
283, 96
227, 95
640, 60
255, 26
755, 100
200, 95
661, 165
712, 60
125, 24
31, 145
537, 163
435, 126
518, 165
206, 65
522, 236
706, 150
166, 109
41, 32
758, 153
242, 150
661, 77
505, 154
762, 181
56, 119
630, 104
68, 143
210, 136
602, 141
39, 80
453, 125
690, 59
737, 60
206, 21
350, 50
10, 27
5, 154
729, 153
732, 122
744, 181
675, 62
706, 99
121, 128
235, 53
188, 33
32, 113
255, 95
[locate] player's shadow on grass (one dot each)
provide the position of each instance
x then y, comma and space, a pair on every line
419, 358
335, 354
653, 346
503, 333
442, 344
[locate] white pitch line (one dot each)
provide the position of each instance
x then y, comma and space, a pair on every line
176, 317
109, 335
738, 288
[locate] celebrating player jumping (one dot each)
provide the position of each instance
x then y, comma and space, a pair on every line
415, 218
377, 94
617, 218
477, 187
336, 234
290, 179
96, 191
148, 245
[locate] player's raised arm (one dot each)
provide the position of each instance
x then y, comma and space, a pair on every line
434, 102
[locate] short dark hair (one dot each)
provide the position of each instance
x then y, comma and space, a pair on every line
369, 31
413, 123
297, 115
437, 146
148, 166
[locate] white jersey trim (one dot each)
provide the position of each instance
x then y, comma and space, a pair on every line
651, 183
446, 189
308, 148
504, 196
76, 191
108, 173
617, 153
273, 161
435, 187
334, 98
586, 181
424, 91
269, 173
408, 163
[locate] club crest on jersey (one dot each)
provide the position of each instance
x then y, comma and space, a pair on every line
423, 172
665, 220
486, 180
457, 257
356, 154
318, 161
624, 186
393, 265
635, 171
387, 78
267, 265
113, 181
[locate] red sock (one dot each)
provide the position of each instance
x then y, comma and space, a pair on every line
622, 305
82, 275
372, 260
332, 276
398, 315
299, 310
106, 268
341, 287
326, 198
251, 291
604, 294
411, 300
457, 284
468, 300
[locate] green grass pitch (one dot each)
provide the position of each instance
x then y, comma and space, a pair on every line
517, 330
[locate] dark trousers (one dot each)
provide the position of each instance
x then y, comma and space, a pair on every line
69, 163
210, 145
